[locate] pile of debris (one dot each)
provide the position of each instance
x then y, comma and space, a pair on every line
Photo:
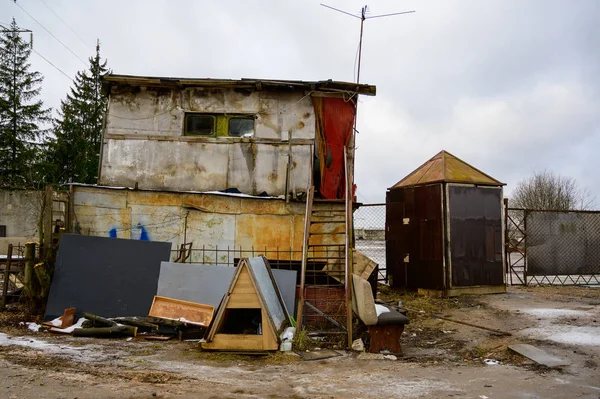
106, 287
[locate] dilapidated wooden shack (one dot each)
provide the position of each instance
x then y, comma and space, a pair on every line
444, 229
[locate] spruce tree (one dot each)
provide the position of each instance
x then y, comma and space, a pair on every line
75, 149
22, 113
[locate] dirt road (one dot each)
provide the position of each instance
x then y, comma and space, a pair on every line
442, 359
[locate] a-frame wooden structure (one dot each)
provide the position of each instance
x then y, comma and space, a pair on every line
253, 288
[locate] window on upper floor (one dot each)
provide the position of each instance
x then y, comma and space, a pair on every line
241, 127
199, 125
218, 125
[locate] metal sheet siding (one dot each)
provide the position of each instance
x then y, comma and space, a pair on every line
475, 235
421, 237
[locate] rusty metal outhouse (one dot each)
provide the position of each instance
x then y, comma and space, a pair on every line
444, 229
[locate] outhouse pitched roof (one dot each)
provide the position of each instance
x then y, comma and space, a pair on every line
446, 168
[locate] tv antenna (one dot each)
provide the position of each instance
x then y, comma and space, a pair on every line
363, 16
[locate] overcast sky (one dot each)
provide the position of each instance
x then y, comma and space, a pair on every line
509, 86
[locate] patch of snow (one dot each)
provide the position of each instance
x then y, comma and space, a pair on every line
380, 309
32, 326
565, 334
551, 313
80, 354
74, 326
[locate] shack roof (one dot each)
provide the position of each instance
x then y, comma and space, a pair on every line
446, 168
329, 86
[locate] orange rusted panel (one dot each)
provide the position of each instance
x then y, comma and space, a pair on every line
153, 198
263, 231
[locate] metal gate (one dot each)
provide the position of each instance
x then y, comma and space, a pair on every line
552, 247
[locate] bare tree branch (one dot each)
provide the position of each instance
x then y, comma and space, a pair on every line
549, 191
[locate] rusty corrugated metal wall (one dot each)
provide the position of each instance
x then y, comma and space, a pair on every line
414, 227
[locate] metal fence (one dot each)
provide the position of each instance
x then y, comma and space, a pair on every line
553, 247
369, 233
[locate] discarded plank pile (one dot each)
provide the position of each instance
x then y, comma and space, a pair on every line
138, 293
91, 325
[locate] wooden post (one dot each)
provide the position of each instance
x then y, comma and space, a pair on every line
114, 331
349, 262
30, 281
309, 204
43, 276
99, 320
48, 222
6, 276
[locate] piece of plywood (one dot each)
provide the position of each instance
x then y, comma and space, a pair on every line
538, 355
270, 342
109, 277
175, 309
235, 342
194, 282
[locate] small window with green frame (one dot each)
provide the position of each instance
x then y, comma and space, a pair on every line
241, 127
200, 125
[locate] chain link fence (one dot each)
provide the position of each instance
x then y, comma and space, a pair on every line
369, 233
553, 247
563, 247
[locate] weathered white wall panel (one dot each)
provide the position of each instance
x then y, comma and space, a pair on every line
153, 152
20, 212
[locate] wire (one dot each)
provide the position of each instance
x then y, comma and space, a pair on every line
65, 23
51, 34
388, 15
343, 12
57, 68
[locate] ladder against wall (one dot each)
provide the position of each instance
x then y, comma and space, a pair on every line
325, 284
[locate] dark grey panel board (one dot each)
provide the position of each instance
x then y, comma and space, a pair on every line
207, 284
105, 276
194, 282
286, 282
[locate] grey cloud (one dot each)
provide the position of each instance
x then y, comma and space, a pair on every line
510, 86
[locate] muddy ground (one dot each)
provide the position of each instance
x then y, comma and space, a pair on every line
441, 359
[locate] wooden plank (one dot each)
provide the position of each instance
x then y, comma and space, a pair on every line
169, 308
270, 341
237, 301
235, 342
305, 239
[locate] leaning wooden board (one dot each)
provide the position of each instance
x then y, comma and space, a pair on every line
176, 309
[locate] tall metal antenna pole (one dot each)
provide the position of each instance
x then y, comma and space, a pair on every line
362, 22
363, 17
